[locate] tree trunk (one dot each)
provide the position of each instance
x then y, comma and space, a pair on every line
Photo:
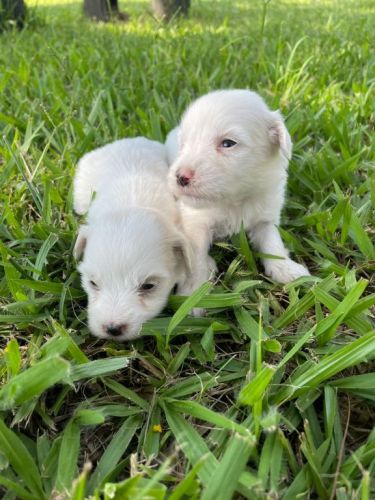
101, 10
165, 9
12, 10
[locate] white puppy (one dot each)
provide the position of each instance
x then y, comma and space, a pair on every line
229, 161
133, 249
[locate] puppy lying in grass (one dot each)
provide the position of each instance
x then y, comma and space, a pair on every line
229, 165
133, 251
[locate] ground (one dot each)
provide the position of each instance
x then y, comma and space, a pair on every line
271, 395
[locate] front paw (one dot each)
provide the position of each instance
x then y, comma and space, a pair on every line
285, 271
186, 290
211, 269
198, 312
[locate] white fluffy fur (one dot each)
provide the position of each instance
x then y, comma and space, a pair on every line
132, 235
244, 183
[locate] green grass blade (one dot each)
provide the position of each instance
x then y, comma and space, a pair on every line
326, 328
255, 389
189, 484
187, 306
33, 381
199, 411
41, 259
13, 358
365, 486
361, 238
114, 451
98, 368
151, 445
356, 382
22, 319
15, 488
33, 191
295, 311
79, 485
224, 481
212, 301
245, 251
21, 460
362, 349
191, 443
68, 456
51, 287
189, 385
126, 393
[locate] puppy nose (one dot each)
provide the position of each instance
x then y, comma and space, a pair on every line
115, 331
184, 178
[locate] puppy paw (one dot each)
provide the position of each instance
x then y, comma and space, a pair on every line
187, 290
211, 268
81, 207
198, 312
285, 271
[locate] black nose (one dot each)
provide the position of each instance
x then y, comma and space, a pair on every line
182, 180
114, 331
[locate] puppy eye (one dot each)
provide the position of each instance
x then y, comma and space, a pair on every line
228, 143
146, 287
94, 285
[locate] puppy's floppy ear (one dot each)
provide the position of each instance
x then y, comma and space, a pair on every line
173, 144
279, 135
80, 244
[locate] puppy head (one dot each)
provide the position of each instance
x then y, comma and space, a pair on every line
129, 266
228, 142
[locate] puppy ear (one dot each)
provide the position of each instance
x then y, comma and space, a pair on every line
173, 144
80, 243
280, 137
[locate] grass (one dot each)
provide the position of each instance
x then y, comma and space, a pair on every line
271, 395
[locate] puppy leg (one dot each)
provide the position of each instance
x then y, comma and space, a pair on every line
266, 239
203, 267
204, 270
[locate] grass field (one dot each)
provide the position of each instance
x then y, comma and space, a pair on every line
272, 394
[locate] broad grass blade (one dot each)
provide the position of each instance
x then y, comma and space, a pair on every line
187, 306
68, 456
33, 381
191, 443
21, 460
15, 487
199, 411
189, 485
255, 389
43, 254
362, 349
224, 481
127, 393
13, 358
114, 451
98, 368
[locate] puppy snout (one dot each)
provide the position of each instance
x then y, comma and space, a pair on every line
115, 330
184, 177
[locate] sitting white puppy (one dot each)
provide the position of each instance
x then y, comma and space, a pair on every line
133, 249
229, 161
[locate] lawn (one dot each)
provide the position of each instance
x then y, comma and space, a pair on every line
272, 393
